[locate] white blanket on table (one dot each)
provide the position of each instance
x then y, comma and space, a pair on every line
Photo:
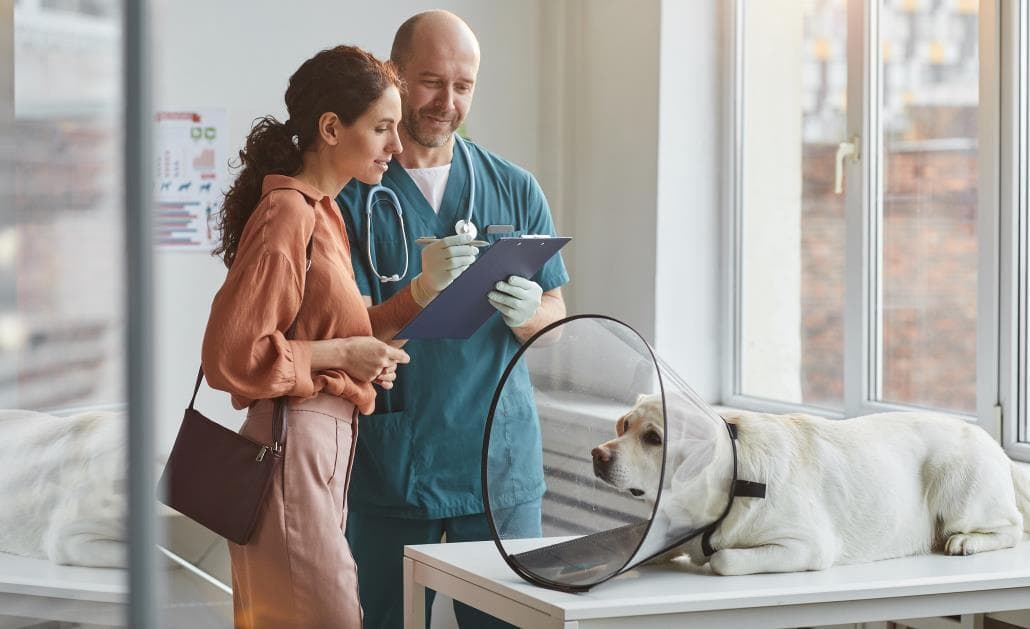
63, 487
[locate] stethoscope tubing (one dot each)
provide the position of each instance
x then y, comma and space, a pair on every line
462, 226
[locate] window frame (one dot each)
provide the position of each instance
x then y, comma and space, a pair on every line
1014, 203
998, 164
144, 567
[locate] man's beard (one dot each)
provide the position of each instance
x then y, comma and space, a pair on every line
429, 140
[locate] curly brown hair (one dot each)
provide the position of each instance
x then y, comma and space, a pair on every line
344, 80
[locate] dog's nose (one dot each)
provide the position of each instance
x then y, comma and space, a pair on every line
600, 455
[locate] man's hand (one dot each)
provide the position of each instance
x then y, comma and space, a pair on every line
517, 300
442, 261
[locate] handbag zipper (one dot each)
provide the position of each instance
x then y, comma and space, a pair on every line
261, 453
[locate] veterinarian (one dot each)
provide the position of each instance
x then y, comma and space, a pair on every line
344, 107
417, 467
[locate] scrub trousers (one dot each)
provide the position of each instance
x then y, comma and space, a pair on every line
378, 544
297, 571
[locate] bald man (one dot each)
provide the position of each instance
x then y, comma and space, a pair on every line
416, 474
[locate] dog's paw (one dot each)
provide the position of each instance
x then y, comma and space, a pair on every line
968, 543
667, 556
730, 562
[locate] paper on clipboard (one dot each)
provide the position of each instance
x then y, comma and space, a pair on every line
461, 308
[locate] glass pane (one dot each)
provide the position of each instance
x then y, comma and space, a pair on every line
1023, 157
793, 227
64, 478
929, 205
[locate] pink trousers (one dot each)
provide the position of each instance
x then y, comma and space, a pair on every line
297, 569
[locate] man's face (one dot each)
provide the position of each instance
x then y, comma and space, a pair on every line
441, 79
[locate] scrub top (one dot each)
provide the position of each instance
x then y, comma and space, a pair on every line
419, 453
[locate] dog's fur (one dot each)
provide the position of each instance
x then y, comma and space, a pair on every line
63, 482
838, 491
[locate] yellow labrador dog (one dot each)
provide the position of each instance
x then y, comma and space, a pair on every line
838, 491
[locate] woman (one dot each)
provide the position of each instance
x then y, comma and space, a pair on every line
344, 107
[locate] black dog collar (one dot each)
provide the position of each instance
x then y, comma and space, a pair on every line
741, 489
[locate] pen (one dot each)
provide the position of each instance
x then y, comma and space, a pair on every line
425, 240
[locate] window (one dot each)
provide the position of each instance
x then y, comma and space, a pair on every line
61, 247
794, 77
74, 183
1015, 228
924, 302
1021, 432
856, 240
62, 313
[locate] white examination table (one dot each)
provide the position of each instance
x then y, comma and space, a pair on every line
34, 590
679, 595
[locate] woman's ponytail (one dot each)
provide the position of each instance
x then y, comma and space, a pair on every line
344, 80
270, 150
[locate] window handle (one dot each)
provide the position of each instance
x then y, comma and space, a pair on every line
845, 150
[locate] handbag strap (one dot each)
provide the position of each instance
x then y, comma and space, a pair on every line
279, 413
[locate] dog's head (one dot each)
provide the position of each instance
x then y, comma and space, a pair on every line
633, 460
691, 442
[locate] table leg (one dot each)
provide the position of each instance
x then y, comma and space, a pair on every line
414, 598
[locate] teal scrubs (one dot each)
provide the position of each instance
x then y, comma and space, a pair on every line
419, 454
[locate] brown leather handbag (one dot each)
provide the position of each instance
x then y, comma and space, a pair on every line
216, 476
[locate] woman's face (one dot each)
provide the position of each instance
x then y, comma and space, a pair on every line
367, 145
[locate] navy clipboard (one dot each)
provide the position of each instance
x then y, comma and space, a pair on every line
461, 308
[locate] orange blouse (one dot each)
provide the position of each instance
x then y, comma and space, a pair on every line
245, 348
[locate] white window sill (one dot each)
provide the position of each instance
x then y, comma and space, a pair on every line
600, 415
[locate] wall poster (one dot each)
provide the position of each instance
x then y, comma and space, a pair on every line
191, 176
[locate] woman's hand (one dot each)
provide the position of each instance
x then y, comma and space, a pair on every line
386, 377
364, 358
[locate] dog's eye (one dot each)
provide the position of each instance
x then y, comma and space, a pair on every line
651, 437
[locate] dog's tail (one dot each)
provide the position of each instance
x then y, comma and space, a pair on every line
1021, 481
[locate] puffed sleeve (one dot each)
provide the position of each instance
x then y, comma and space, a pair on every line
245, 351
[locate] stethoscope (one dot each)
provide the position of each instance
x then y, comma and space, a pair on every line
463, 226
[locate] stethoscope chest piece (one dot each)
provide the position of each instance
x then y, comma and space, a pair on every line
466, 227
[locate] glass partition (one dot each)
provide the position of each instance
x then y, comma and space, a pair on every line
63, 533
65, 210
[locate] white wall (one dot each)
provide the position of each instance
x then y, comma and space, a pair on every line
637, 87
692, 149
239, 54
611, 119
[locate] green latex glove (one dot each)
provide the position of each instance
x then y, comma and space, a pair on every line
442, 261
517, 300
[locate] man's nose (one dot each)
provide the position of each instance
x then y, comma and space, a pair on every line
445, 98
601, 455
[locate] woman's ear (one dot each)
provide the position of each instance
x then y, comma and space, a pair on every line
328, 128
